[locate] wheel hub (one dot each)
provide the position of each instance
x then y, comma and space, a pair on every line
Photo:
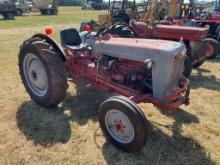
35, 74
119, 126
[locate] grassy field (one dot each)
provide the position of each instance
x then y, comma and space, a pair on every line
66, 16
70, 134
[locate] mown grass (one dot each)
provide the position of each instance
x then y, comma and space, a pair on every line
69, 134
66, 15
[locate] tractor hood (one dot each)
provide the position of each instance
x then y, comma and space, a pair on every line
175, 32
139, 49
167, 58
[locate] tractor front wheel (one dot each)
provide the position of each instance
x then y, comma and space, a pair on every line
42, 72
123, 123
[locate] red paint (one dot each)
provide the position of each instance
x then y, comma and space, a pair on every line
84, 72
170, 32
177, 32
172, 22
48, 31
88, 28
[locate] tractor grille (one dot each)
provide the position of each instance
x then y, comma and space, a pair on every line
178, 70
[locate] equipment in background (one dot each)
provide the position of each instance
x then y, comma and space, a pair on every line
7, 9
47, 7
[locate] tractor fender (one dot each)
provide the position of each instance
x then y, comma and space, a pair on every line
52, 42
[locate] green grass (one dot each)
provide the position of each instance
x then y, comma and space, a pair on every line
66, 15
69, 134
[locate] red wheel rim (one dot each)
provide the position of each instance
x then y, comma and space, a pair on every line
210, 49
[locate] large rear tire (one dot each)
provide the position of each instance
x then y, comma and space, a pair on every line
42, 72
9, 15
43, 11
198, 63
54, 12
213, 47
123, 123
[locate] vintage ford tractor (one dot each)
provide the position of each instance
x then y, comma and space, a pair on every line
141, 70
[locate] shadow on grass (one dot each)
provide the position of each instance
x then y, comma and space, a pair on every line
162, 148
200, 80
47, 127
215, 60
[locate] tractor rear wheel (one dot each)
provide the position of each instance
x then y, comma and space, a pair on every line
120, 30
54, 12
9, 15
217, 32
42, 72
43, 11
198, 63
123, 123
213, 47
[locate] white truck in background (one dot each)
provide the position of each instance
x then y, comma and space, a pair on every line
46, 7
23, 6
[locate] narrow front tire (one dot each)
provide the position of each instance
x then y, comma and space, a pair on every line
123, 123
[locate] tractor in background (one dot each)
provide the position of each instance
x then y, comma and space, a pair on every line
195, 15
144, 25
212, 20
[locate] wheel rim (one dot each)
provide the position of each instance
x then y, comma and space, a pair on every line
35, 74
210, 49
119, 126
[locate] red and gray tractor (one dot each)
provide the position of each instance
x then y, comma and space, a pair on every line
136, 26
192, 37
212, 21
136, 70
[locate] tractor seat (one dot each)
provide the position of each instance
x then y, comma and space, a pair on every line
70, 39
